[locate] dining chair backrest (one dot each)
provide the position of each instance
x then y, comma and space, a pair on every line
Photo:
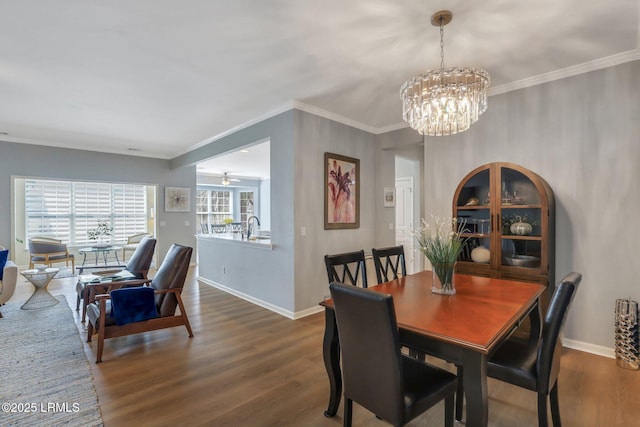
550, 348
347, 268
389, 262
218, 228
370, 346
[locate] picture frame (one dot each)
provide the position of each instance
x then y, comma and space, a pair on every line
341, 192
177, 199
389, 197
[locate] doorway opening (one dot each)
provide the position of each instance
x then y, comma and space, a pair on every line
407, 182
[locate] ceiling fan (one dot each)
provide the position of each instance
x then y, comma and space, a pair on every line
226, 180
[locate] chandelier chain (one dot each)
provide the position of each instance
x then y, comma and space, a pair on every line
441, 43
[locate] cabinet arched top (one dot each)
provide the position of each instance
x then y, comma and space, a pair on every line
521, 185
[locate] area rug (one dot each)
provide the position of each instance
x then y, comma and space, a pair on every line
65, 272
45, 377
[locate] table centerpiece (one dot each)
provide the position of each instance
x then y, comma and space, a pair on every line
104, 229
441, 242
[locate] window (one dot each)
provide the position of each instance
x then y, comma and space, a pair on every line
212, 207
246, 206
66, 210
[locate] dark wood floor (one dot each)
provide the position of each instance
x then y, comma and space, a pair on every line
247, 366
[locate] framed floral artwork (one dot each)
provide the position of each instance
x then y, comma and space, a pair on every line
341, 192
177, 199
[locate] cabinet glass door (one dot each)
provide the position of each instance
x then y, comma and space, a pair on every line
521, 220
473, 211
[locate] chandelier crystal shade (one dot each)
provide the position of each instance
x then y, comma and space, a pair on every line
445, 101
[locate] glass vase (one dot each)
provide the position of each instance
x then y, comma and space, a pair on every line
443, 278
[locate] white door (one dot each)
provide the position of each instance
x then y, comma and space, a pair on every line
404, 219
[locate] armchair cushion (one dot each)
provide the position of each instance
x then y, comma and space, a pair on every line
130, 305
4, 255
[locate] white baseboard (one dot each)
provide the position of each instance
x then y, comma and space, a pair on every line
271, 307
599, 350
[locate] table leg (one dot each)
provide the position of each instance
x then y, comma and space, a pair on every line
331, 355
115, 253
475, 388
536, 323
84, 257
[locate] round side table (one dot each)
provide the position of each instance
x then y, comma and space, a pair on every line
41, 297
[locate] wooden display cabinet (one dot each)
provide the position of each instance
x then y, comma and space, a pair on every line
489, 201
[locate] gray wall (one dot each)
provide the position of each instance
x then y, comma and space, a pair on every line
315, 136
291, 278
581, 135
408, 144
265, 204
49, 162
248, 270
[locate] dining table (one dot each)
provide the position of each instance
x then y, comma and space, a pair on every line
464, 328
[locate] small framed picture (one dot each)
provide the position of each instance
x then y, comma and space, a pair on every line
177, 199
389, 197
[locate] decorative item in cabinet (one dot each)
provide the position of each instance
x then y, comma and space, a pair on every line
514, 221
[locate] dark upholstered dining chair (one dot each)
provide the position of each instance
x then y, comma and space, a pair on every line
535, 366
347, 268
389, 262
138, 267
376, 375
165, 299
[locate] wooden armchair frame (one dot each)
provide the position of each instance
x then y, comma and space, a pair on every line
113, 331
167, 285
49, 257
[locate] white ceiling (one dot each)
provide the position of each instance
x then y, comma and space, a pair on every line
164, 77
249, 162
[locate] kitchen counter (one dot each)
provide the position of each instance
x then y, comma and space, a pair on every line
261, 242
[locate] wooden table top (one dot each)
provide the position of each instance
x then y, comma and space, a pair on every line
478, 316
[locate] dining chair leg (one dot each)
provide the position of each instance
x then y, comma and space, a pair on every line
448, 410
543, 417
348, 407
459, 394
555, 406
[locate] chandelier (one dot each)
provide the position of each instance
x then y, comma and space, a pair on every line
225, 180
445, 101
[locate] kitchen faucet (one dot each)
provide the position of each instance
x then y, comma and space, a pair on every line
250, 225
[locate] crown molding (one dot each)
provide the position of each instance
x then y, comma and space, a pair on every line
283, 108
74, 145
334, 117
563, 73
586, 67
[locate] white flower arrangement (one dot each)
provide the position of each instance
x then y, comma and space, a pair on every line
103, 229
442, 241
